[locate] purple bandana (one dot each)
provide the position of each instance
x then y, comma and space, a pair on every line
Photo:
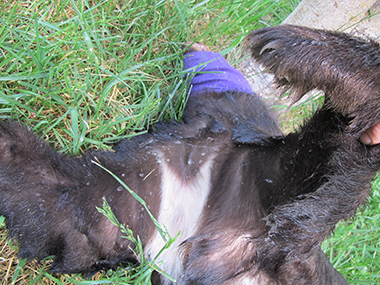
213, 73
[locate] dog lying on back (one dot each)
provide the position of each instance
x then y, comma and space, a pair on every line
251, 205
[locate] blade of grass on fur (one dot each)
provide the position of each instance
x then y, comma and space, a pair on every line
146, 267
165, 236
164, 233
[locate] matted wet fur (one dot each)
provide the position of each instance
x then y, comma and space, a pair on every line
252, 205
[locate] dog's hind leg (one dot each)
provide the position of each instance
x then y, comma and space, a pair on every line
42, 201
327, 172
346, 68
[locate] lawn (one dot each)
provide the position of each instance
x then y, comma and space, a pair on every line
85, 74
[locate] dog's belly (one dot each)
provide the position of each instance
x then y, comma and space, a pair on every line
183, 198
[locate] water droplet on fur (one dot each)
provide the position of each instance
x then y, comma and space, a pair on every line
141, 174
150, 193
168, 159
123, 175
268, 181
203, 154
120, 188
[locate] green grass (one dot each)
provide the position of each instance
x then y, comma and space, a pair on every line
85, 74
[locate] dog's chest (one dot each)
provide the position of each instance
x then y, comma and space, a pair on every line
185, 185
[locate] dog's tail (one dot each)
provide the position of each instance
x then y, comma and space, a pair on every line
346, 68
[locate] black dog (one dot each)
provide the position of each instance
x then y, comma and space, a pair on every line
252, 205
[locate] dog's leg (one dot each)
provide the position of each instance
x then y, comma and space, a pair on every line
327, 172
49, 201
346, 68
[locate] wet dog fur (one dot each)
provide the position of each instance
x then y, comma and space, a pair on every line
251, 205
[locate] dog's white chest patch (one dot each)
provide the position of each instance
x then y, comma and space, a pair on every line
182, 202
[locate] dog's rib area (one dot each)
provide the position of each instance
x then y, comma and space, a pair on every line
182, 202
